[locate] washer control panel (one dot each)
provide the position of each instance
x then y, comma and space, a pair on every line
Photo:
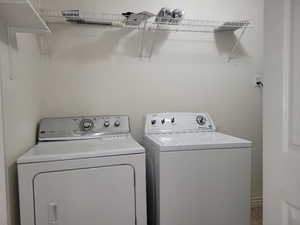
178, 122
70, 128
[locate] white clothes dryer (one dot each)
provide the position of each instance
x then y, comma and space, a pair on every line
83, 171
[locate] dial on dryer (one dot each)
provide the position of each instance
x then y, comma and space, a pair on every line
117, 123
106, 124
86, 124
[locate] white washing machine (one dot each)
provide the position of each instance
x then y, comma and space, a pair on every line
195, 175
83, 171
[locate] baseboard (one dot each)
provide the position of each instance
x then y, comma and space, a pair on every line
257, 201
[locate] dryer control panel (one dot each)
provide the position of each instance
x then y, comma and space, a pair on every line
85, 127
178, 122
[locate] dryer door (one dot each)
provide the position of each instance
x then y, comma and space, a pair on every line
89, 196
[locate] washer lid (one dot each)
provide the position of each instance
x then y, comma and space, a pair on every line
64, 150
197, 141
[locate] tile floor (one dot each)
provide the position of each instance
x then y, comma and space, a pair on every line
256, 216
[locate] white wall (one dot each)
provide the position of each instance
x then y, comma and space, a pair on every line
3, 173
21, 104
97, 71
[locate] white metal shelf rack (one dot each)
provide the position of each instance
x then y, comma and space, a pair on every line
154, 24
93, 17
203, 26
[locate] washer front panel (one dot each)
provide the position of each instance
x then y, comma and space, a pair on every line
204, 187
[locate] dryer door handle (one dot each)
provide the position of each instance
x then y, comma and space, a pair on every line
52, 214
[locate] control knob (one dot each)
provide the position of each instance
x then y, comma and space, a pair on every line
86, 124
201, 120
117, 123
106, 124
153, 122
163, 121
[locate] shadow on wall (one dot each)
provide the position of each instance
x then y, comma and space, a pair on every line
13, 191
100, 49
4, 35
111, 42
100, 44
225, 42
152, 39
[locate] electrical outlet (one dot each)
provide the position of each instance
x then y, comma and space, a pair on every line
259, 82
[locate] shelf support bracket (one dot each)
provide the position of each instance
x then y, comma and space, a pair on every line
238, 41
12, 41
154, 41
143, 39
43, 43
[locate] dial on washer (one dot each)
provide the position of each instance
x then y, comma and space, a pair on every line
201, 120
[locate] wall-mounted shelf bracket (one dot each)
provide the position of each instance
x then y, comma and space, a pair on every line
156, 30
237, 43
19, 16
43, 42
11, 39
143, 39
22, 15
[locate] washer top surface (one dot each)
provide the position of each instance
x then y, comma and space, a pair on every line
78, 149
82, 137
197, 141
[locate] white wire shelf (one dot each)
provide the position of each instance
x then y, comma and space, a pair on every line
152, 23
196, 25
86, 17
